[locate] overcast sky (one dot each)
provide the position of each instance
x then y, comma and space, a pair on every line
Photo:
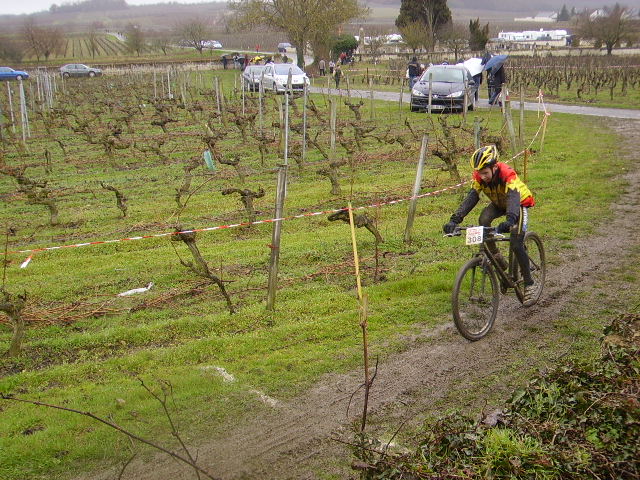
31, 6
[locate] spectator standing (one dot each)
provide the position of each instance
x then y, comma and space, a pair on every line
414, 71
285, 59
322, 67
332, 66
224, 62
497, 78
478, 81
337, 75
343, 56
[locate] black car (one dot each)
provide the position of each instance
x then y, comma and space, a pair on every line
448, 84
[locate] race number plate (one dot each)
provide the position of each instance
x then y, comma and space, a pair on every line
474, 235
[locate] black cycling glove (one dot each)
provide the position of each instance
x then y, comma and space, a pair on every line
449, 227
504, 227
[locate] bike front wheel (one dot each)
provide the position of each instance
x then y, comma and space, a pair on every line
475, 299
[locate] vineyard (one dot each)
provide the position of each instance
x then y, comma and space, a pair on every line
139, 211
103, 48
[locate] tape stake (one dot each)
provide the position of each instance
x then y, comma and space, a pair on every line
26, 262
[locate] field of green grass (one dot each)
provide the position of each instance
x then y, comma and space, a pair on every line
86, 348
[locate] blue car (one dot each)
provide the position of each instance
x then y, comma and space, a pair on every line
7, 73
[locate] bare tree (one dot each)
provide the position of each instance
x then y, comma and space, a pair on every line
92, 39
134, 38
608, 29
301, 20
162, 41
193, 33
42, 41
414, 35
11, 49
374, 42
455, 37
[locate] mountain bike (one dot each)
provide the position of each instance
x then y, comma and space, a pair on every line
480, 281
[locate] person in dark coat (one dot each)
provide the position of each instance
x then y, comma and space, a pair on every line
224, 62
496, 79
478, 81
414, 71
337, 75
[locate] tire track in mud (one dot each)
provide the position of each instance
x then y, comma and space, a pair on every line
292, 439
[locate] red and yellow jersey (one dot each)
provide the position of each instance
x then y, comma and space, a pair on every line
504, 180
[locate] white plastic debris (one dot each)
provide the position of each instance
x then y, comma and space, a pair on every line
226, 376
26, 262
266, 399
136, 290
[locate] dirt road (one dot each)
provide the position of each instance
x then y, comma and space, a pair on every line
437, 370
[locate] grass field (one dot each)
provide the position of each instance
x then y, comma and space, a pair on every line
85, 347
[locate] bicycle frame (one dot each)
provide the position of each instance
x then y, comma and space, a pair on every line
508, 276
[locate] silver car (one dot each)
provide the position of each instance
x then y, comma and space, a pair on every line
251, 77
79, 70
276, 75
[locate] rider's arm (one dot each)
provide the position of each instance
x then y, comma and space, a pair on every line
513, 206
466, 206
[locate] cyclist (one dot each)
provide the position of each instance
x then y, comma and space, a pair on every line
509, 196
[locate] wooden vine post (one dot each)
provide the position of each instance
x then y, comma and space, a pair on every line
508, 118
275, 238
333, 121
279, 211
521, 124
416, 190
362, 299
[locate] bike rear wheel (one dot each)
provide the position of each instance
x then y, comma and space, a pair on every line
475, 299
535, 251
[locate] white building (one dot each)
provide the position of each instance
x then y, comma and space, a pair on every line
533, 36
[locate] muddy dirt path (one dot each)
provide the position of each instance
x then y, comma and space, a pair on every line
293, 439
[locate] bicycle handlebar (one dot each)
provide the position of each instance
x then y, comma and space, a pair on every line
487, 230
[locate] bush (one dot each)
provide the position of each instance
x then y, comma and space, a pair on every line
579, 421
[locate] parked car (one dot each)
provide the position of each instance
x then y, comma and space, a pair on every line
282, 47
276, 75
448, 83
79, 70
7, 73
212, 44
251, 77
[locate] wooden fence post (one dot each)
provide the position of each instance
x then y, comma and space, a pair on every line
476, 132
416, 190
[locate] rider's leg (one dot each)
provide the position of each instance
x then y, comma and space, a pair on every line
517, 244
488, 215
